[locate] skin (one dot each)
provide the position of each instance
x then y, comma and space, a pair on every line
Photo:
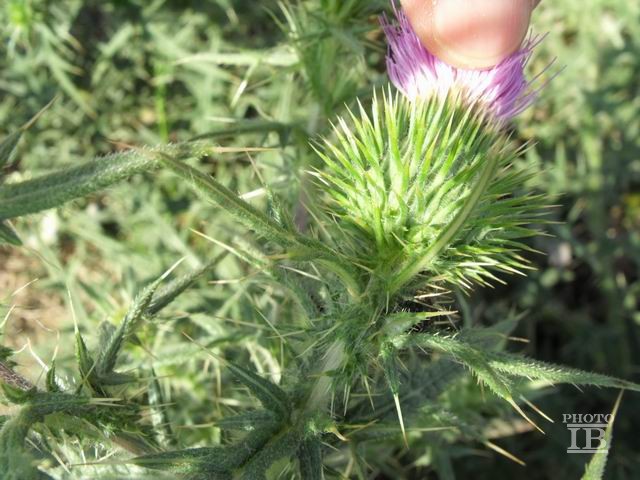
473, 34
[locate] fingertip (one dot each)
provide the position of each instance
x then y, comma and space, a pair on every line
473, 34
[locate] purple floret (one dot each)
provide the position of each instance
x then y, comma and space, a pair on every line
503, 90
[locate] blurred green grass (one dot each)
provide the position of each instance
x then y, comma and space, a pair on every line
273, 75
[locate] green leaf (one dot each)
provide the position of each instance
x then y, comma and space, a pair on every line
57, 188
498, 364
186, 461
310, 459
596, 467
51, 382
270, 395
481, 364
85, 361
8, 147
9, 235
400, 322
17, 395
497, 369
388, 354
209, 462
284, 445
278, 210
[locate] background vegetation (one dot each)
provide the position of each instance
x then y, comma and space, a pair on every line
272, 75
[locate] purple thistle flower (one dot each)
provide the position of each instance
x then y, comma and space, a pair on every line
503, 90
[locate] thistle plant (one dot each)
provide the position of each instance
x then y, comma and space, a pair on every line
419, 196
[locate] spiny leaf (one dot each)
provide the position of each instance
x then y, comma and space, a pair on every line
388, 356
278, 211
55, 189
596, 467
242, 211
476, 361
159, 415
520, 366
473, 358
270, 395
427, 382
110, 350
46, 403
492, 368
106, 330
298, 246
248, 421
517, 365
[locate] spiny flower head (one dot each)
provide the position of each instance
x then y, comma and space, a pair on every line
503, 90
429, 179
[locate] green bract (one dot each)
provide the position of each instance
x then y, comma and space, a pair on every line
428, 187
